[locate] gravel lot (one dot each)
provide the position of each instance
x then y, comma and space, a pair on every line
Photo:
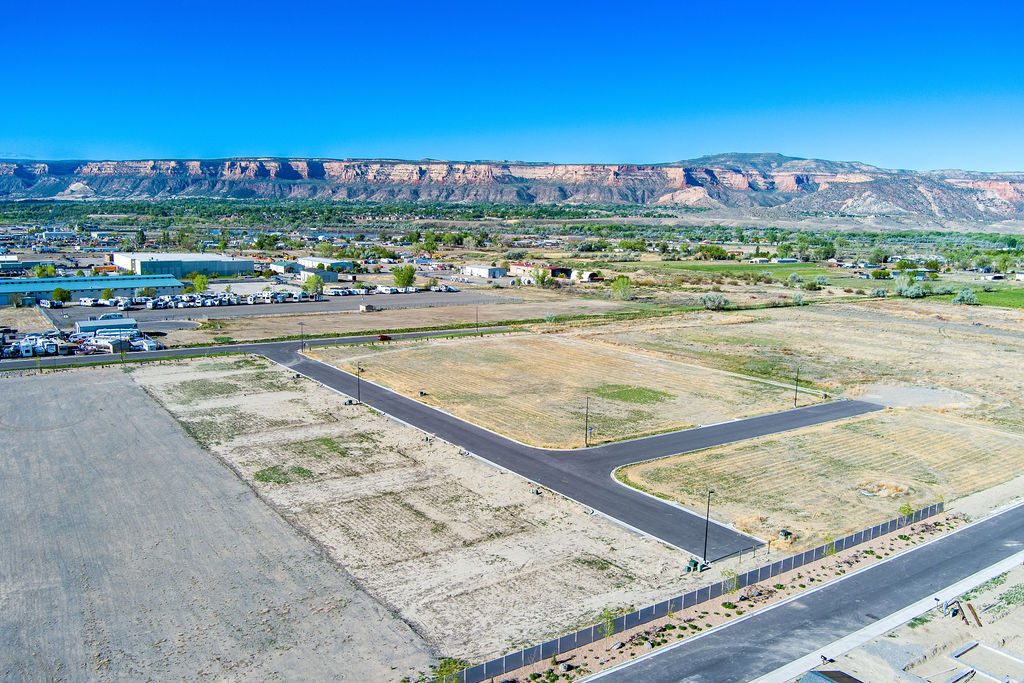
129, 552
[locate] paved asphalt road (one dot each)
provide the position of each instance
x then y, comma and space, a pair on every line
584, 475
773, 638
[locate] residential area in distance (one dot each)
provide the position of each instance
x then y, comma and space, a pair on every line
433, 421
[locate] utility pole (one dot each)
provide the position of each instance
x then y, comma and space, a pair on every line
796, 384
478, 319
359, 381
586, 425
707, 526
302, 337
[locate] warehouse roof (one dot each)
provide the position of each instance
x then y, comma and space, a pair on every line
38, 284
177, 256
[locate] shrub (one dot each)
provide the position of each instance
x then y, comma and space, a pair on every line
966, 296
622, 287
766, 276
879, 292
821, 281
798, 299
795, 278
812, 286
713, 301
942, 289
880, 274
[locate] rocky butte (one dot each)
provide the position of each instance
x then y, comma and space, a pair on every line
727, 180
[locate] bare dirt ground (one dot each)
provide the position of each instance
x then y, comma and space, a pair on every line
532, 387
838, 478
129, 553
971, 353
274, 326
922, 647
24, 319
466, 553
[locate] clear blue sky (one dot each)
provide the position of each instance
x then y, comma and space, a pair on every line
897, 84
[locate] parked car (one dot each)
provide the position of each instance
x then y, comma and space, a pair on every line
383, 337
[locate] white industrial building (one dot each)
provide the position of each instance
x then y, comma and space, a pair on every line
488, 272
314, 262
181, 264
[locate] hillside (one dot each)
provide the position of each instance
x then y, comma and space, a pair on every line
786, 184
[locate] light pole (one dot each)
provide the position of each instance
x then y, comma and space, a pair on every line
707, 526
586, 425
302, 337
359, 381
478, 318
796, 383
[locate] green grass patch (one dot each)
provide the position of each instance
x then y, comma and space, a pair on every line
628, 394
278, 474
1006, 297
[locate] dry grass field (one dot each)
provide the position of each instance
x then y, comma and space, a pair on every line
972, 354
251, 328
837, 478
531, 387
24, 319
464, 552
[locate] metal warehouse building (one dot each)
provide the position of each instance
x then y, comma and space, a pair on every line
180, 265
122, 285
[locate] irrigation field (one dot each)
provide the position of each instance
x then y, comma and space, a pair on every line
837, 478
533, 388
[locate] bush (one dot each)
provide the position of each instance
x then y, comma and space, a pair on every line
765, 276
812, 286
798, 299
795, 278
622, 287
821, 281
966, 297
879, 292
61, 294
942, 289
713, 301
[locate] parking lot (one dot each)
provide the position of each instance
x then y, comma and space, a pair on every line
67, 317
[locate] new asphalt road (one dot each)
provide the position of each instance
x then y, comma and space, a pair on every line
770, 639
584, 475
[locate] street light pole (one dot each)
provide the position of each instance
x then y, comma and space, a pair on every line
796, 383
586, 425
478, 318
302, 337
707, 525
359, 381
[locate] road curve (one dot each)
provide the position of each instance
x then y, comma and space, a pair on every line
584, 475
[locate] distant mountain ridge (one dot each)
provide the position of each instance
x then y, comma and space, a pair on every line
789, 184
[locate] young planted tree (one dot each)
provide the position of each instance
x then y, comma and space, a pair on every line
107, 293
200, 283
313, 285
622, 288
61, 294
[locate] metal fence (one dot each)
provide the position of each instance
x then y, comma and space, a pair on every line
538, 653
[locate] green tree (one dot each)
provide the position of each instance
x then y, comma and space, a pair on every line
879, 256
784, 250
79, 273
622, 288
542, 276
61, 294
107, 293
404, 276
880, 274
314, 284
200, 283
324, 249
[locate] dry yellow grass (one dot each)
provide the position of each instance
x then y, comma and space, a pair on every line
972, 353
24, 319
838, 478
532, 387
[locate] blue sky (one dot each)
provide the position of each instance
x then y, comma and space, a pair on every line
897, 84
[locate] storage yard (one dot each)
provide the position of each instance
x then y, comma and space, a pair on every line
130, 553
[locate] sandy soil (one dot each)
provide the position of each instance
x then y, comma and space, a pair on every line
24, 319
475, 561
838, 478
273, 326
532, 387
923, 647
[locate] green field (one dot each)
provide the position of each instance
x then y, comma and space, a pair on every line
1007, 296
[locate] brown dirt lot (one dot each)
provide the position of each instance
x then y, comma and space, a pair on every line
838, 478
531, 387
273, 326
969, 352
447, 541
24, 319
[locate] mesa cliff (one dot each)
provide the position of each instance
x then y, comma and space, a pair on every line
729, 180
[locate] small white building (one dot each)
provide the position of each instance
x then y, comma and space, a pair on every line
487, 272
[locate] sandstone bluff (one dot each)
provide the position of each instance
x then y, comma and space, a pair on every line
727, 180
